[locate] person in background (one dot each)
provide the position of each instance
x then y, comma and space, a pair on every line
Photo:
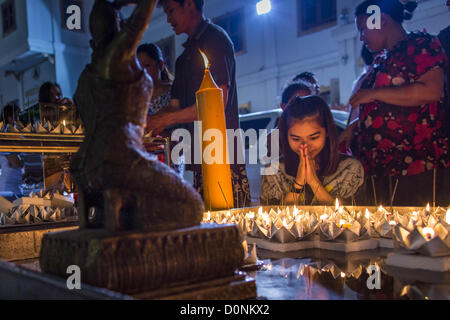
311, 171
444, 37
151, 59
402, 143
53, 107
11, 163
50, 96
310, 78
347, 141
187, 17
298, 88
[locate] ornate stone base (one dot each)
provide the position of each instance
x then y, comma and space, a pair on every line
231, 288
198, 262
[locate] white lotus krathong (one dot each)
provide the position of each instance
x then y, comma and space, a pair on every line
432, 240
290, 224
30, 214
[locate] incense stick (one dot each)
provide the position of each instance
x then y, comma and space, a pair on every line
434, 189
393, 193
223, 194
374, 190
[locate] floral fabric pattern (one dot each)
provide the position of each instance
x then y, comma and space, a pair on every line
397, 140
239, 180
160, 103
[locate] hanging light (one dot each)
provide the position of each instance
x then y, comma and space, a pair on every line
263, 7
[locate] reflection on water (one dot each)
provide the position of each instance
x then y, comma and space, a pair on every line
322, 275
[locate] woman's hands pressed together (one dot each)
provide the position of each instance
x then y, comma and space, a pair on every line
306, 173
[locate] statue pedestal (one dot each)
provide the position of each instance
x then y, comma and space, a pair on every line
193, 263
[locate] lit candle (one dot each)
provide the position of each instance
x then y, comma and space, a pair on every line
285, 224
218, 191
428, 233
414, 217
367, 215
427, 209
295, 212
344, 224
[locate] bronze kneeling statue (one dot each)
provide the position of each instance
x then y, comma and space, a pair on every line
116, 177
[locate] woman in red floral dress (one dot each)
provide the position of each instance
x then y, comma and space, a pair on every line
402, 144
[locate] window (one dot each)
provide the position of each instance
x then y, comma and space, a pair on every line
167, 47
315, 15
8, 17
233, 24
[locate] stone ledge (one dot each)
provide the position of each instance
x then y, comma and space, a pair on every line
134, 263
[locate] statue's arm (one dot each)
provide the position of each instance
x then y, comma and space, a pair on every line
134, 29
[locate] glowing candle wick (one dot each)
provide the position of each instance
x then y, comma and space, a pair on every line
429, 233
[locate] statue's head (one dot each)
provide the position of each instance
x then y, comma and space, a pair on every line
104, 24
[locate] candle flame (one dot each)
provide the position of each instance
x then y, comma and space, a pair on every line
367, 214
447, 217
342, 275
260, 211
337, 204
64, 123
208, 216
295, 212
380, 208
428, 233
428, 207
205, 59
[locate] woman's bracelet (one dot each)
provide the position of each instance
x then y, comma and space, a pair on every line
298, 184
297, 190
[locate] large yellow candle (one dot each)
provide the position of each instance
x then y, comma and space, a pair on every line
217, 187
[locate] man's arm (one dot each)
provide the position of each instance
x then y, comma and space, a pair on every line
158, 122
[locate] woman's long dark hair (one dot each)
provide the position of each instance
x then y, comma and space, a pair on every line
154, 52
315, 108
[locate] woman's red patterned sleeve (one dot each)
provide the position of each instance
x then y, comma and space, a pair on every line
428, 55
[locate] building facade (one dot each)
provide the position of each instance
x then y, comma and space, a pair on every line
295, 36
